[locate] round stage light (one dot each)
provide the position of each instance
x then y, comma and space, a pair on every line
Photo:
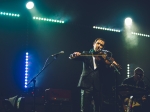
128, 21
30, 5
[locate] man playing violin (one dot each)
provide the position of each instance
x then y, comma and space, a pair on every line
95, 67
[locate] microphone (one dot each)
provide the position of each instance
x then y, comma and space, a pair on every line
104, 50
61, 52
71, 56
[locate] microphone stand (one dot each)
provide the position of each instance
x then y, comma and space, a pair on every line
115, 69
116, 92
34, 79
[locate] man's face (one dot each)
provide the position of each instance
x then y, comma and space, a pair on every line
99, 44
138, 74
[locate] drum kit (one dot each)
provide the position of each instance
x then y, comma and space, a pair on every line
131, 97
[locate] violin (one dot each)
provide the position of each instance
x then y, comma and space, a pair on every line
108, 60
101, 55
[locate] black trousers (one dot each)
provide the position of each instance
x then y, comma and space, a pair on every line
94, 93
91, 100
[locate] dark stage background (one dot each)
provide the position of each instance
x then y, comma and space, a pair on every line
41, 39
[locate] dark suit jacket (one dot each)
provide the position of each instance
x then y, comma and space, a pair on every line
89, 76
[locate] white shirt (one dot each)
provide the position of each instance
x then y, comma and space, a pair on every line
94, 64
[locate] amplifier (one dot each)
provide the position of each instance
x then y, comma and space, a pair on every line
57, 95
58, 100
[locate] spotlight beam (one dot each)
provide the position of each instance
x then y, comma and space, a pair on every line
29, 5
128, 21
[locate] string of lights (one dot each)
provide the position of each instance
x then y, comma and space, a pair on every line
107, 29
26, 69
9, 14
140, 34
47, 19
128, 70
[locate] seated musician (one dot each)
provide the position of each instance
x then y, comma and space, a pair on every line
140, 104
137, 79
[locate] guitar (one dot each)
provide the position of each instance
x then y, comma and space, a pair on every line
129, 103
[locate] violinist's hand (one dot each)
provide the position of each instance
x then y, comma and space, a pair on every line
115, 63
74, 55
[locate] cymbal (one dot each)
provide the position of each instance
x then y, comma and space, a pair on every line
126, 90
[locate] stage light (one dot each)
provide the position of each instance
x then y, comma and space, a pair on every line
26, 69
14, 104
128, 21
128, 70
30, 5
107, 29
9, 14
140, 34
47, 19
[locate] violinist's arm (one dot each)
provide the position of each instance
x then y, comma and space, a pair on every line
75, 55
110, 61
